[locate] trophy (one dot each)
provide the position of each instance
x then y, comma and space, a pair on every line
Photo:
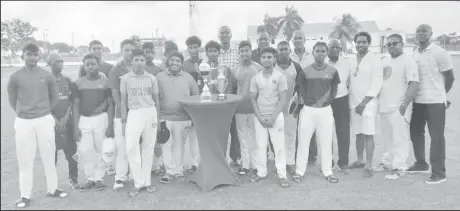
221, 82
205, 94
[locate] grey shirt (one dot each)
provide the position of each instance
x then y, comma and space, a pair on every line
268, 90
139, 89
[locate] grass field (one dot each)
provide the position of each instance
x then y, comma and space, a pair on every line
352, 192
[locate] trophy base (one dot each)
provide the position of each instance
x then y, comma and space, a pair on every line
221, 97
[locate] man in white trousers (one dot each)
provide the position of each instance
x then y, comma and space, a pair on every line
268, 94
400, 85
173, 85
318, 85
290, 69
115, 74
244, 116
93, 113
33, 94
139, 94
365, 85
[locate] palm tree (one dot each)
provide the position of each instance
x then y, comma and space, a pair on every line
345, 29
291, 22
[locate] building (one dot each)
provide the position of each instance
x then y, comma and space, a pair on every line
315, 32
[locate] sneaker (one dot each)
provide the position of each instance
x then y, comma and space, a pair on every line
344, 169
23, 203
435, 180
368, 173
284, 183
118, 185
381, 167
100, 186
243, 171
73, 183
356, 165
166, 179
419, 168
88, 185
395, 174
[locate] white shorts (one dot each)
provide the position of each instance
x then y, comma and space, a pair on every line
366, 125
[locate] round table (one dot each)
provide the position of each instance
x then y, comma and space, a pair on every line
212, 125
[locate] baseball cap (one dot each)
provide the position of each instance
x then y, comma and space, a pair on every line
163, 134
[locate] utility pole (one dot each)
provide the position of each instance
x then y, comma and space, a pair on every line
73, 42
192, 17
92, 37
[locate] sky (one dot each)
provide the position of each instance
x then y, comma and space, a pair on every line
113, 21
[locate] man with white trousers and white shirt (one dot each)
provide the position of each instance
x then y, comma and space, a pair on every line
32, 94
400, 84
268, 93
139, 94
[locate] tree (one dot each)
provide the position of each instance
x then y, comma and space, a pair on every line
291, 22
61, 47
16, 33
345, 29
388, 29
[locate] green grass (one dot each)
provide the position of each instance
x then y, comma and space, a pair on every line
352, 192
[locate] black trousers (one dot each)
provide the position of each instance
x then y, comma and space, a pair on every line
341, 110
435, 116
69, 146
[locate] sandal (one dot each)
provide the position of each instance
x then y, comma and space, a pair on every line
192, 170
243, 171
297, 178
166, 179
58, 193
135, 192
179, 178
332, 179
284, 183
23, 202
150, 189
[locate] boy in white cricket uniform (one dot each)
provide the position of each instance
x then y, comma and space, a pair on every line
139, 94
93, 112
268, 92
400, 84
32, 94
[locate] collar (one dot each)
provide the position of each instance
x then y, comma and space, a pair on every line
289, 64
329, 61
199, 61
178, 74
303, 56
427, 48
231, 48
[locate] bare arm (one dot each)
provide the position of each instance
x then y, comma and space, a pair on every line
124, 106
254, 96
53, 93
116, 97
449, 79
110, 109
410, 92
76, 111
12, 92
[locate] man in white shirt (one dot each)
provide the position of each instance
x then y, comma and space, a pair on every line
436, 79
340, 105
400, 84
365, 85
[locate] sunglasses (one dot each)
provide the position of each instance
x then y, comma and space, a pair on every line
395, 43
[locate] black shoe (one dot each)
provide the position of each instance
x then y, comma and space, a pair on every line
419, 168
435, 180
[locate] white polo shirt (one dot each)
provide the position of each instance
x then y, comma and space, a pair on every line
431, 63
304, 61
344, 68
396, 81
367, 81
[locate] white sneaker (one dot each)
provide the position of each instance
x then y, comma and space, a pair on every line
395, 174
118, 185
381, 167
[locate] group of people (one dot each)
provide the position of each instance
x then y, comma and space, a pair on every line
292, 101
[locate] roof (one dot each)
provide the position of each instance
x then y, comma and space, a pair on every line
321, 28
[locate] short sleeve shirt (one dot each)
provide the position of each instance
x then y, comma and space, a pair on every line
67, 91
242, 81
403, 70
140, 89
344, 69
268, 90
92, 94
229, 57
316, 85
431, 63
115, 75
